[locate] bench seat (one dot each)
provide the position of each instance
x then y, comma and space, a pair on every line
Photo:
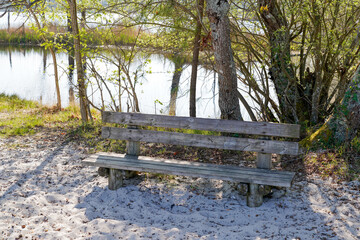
192, 169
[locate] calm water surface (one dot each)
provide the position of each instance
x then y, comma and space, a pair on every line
28, 73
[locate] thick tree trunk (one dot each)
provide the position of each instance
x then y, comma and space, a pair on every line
82, 26
71, 61
71, 78
217, 11
179, 63
195, 60
281, 71
315, 102
78, 59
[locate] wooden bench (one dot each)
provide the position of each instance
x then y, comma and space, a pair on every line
261, 142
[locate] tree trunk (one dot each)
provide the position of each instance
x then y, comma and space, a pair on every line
179, 63
71, 57
315, 102
82, 26
78, 59
71, 78
217, 11
281, 71
195, 60
344, 124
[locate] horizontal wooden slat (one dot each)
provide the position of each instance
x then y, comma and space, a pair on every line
193, 169
231, 126
197, 140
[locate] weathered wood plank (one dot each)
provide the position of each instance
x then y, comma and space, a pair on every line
233, 173
132, 148
196, 140
146, 162
231, 126
152, 160
263, 160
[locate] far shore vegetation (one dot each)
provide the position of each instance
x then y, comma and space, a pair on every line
27, 36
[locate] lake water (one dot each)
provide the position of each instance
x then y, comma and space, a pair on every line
28, 73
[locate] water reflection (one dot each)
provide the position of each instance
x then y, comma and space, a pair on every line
28, 72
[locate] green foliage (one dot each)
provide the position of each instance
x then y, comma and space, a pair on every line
355, 144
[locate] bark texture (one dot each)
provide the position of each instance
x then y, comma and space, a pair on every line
179, 64
71, 61
281, 71
195, 60
78, 59
217, 11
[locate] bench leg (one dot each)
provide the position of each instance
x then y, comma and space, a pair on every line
254, 197
115, 178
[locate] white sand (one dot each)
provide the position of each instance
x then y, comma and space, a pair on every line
45, 193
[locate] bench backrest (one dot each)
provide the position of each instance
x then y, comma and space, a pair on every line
260, 130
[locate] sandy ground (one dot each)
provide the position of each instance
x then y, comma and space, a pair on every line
45, 193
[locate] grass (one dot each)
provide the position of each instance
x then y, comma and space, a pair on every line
20, 125
11, 103
23, 117
15, 117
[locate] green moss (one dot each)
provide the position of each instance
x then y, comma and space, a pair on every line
320, 138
